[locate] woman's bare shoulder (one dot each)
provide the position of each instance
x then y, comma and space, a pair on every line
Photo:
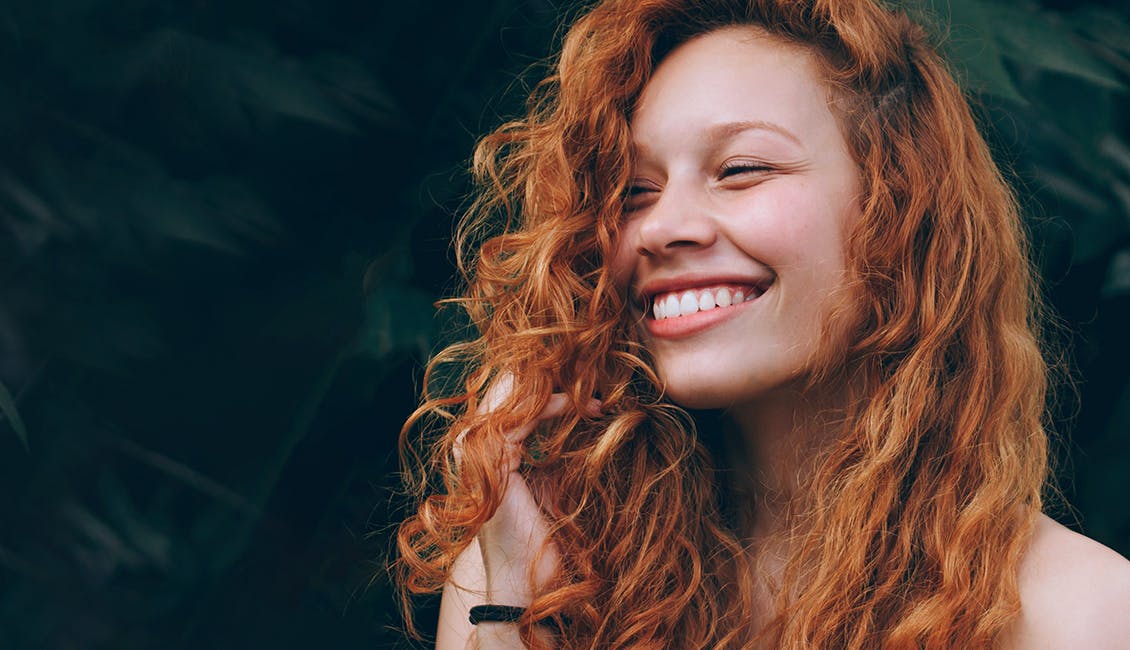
1074, 593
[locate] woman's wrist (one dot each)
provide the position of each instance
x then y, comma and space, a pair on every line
489, 636
499, 635
507, 577
509, 588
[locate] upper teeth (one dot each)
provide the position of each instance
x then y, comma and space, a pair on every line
684, 303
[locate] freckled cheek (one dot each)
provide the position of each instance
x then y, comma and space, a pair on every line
792, 228
780, 238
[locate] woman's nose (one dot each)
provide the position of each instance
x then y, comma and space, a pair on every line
675, 222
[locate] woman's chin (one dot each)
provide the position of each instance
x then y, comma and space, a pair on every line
711, 392
700, 398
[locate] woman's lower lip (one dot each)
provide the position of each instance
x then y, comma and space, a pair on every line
682, 326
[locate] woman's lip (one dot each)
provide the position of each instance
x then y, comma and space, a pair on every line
691, 324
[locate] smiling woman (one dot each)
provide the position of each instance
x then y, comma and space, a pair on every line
779, 214
743, 186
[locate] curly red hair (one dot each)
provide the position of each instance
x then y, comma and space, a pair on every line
915, 517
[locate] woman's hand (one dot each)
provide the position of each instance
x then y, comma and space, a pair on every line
508, 544
511, 539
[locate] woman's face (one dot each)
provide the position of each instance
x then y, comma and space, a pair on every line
733, 241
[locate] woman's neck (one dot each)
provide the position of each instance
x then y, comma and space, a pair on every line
771, 445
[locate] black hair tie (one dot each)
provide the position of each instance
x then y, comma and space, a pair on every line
496, 614
507, 614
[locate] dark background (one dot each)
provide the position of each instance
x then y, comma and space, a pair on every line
222, 229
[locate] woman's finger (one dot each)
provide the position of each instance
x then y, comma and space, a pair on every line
497, 393
556, 406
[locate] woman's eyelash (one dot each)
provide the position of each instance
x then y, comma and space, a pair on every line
635, 196
727, 170
731, 169
635, 191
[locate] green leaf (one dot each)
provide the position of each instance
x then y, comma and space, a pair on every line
397, 318
1117, 282
969, 45
1105, 26
1031, 38
1093, 227
1117, 152
9, 410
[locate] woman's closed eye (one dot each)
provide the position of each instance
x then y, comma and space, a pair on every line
638, 196
741, 168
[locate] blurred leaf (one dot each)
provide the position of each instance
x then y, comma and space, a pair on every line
264, 79
11, 413
1030, 38
1116, 151
1122, 193
103, 549
105, 334
352, 86
181, 473
1072, 117
214, 212
1105, 26
151, 544
1070, 189
1118, 275
123, 199
397, 318
1093, 229
1108, 475
970, 46
30, 219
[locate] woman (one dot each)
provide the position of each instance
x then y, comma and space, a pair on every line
778, 214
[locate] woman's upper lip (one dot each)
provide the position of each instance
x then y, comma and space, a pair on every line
654, 286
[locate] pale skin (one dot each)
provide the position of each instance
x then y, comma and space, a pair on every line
744, 182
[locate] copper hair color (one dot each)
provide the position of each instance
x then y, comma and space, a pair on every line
915, 518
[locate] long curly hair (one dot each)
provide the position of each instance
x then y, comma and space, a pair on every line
914, 519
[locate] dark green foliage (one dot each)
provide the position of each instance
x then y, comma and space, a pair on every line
222, 229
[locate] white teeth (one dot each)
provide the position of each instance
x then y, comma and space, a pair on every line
674, 305
706, 301
723, 297
689, 304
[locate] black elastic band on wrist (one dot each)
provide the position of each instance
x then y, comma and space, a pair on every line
509, 614
496, 614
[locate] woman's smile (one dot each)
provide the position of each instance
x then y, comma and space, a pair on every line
681, 312
691, 319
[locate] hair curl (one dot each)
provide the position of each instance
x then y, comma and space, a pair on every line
916, 516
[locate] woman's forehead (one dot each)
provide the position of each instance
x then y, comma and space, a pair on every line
735, 80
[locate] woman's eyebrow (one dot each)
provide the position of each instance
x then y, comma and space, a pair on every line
725, 130
717, 134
